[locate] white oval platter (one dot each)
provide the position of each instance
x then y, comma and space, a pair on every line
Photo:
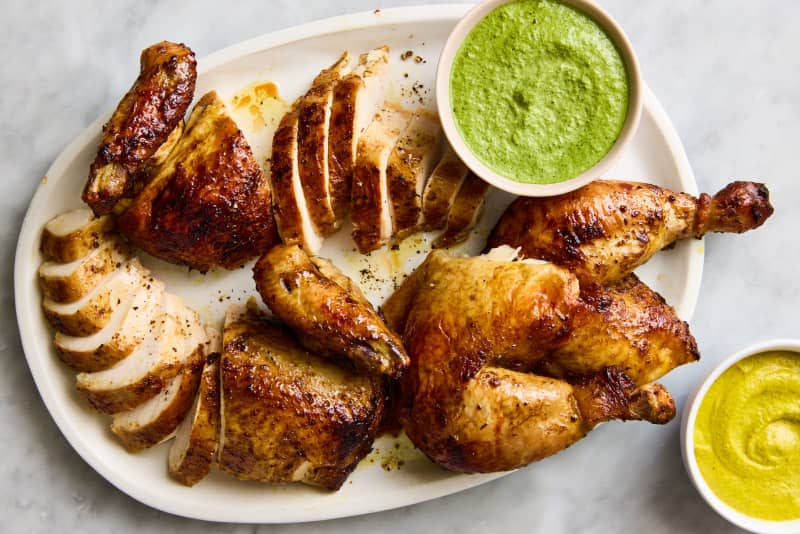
394, 474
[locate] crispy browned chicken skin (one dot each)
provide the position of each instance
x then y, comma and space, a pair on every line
289, 415
208, 204
143, 120
606, 229
327, 310
463, 317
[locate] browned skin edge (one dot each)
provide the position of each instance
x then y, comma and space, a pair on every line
341, 156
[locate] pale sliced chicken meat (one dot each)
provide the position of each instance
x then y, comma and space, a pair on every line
370, 209
356, 100
172, 338
466, 211
288, 415
155, 421
288, 200
312, 146
68, 282
128, 327
410, 164
192, 453
441, 189
89, 314
72, 235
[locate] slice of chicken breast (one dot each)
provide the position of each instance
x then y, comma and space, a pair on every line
72, 235
441, 189
128, 327
68, 282
410, 164
172, 338
356, 100
155, 421
312, 146
192, 453
89, 314
466, 211
288, 200
370, 211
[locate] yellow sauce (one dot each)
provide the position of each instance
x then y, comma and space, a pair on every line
747, 436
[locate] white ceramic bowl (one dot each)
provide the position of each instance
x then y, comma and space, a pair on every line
687, 443
612, 29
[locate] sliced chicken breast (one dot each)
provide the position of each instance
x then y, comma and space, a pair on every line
356, 100
312, 146
288, 200
72, 235
155, 421
466, 211
128, 327
171, 341
89, 314
192, 453
370, 210
441, 189
68, 282
410, 164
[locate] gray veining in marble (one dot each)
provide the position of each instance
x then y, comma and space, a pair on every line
727, 71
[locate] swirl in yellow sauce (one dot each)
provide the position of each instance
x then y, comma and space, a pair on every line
747, 436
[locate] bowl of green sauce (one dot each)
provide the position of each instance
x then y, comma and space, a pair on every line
538, 97
740, 437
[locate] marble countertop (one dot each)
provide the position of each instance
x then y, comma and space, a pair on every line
728, 73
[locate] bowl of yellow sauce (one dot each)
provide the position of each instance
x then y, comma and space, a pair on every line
741, 438
538, 97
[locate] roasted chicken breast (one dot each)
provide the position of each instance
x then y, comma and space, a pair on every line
317, 301
287, 414
72, 235
356, 99
370, 209
409, 166
208, 203
143, 120
606, 229
441, 188
465, 212
313, 129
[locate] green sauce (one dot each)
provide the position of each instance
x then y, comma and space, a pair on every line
747, 436
539, 92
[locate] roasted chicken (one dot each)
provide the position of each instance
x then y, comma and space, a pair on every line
356, 100
411, 162
287, 414
441, 188
313, 127
465, 212
142, 122
370, 208
327, 311
606, 229
461, 319
196, 439
208, 203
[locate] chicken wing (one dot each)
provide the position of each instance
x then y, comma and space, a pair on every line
288, 415
143, 120
331, 317
606, 229
208, 203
